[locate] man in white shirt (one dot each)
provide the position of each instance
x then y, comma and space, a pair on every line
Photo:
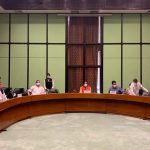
136, 87
2, 93
36, 89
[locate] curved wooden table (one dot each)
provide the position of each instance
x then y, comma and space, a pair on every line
21, 108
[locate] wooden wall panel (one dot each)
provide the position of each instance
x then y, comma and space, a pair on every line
75, 4
21, 108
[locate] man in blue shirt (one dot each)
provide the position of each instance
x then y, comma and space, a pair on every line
115, 89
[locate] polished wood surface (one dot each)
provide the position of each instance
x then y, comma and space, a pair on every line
21, 108
75, 4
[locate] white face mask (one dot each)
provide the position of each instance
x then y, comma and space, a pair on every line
85, 84
38, 84
114, 86
48, 76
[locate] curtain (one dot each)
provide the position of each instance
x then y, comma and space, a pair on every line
82, 52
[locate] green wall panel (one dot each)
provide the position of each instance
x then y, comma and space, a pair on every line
146, 28
37, 63
56, 53
131, 28
56, 29
4, 50
19, 28
112, 65
4, 28
37, 52
4, 63
37, 28
146, 66
131, 64
56, 65
112, 29
18, 67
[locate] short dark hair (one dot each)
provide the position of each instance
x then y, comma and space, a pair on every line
85, 82
135, 80
113, 81
37, 81
48, 74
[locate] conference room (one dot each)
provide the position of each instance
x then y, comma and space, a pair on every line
81, 49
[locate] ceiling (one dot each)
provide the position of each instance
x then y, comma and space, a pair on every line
75, 6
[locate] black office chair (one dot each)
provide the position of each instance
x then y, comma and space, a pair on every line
53, 90
8, 92
119, 92
17, 91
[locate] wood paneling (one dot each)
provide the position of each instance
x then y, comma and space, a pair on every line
82, 31
75, 4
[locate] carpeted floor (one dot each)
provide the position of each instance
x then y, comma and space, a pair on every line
78, 131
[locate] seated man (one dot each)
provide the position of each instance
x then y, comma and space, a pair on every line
85, 88
2, 93
36, 89
115, 89
136, 88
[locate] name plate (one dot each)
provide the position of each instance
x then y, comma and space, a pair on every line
113, 92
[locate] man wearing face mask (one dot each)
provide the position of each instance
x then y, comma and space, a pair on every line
36, 89
85, 88
49, 85
115, 89
136, 88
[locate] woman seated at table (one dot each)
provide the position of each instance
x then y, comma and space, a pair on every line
85, 88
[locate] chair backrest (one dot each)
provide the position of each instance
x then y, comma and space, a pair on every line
7, 90
19, 90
